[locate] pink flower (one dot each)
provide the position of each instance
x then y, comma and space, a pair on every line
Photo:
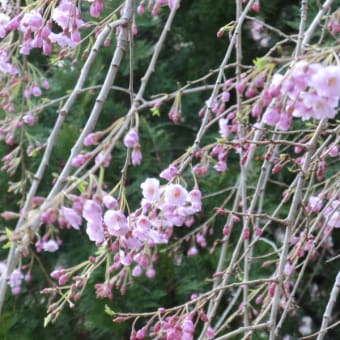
103, 159
72, 218
4, 20
224, 127
92, 212
136, 155
161, 2
49, 216
78, 161
334, 221
332, 214
192, 251
288, 269
140, 8
169, 173
131, 138
151, 189
315, 203
62, 40
44, 84
150, 272
31, 21
92, 138
326, 82
50, 246
96, 8
210, 333
320, 107
66, 15
188, 326
175, 194
104, 290
5, 66
29, 119
225, 96
284, 122
116, 223
220, 166
110, 202
333, 151
15, 280
137, 271
271, 116
95, 232
256, 6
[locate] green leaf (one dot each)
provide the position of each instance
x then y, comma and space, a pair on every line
8, 232
155, 112
7, 245
47, 320
108, 310
82, 186
261, 63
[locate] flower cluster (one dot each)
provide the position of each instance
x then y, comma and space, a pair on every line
161, 210
15, 278
153, 6
131, 238
173, 327
309, 91
331, 214
37, 31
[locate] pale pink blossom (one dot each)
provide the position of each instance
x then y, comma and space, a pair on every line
169, 173
192, 251
116, 223
15, 280
224, 127
137, 271
4, 20
72, 218
96, 8
103, 159
151, 189
176, 195
326, 82
29, 119
110, 202
50, 246
271, 116
92, 212
315, 203
136, 155
31, 21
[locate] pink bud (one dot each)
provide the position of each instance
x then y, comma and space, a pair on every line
9, 215
271, 289
140, 8
256, 6
210, 333
192, 251
220, 33
240, 87
258, 231
246, 234
236, 219
226, 230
